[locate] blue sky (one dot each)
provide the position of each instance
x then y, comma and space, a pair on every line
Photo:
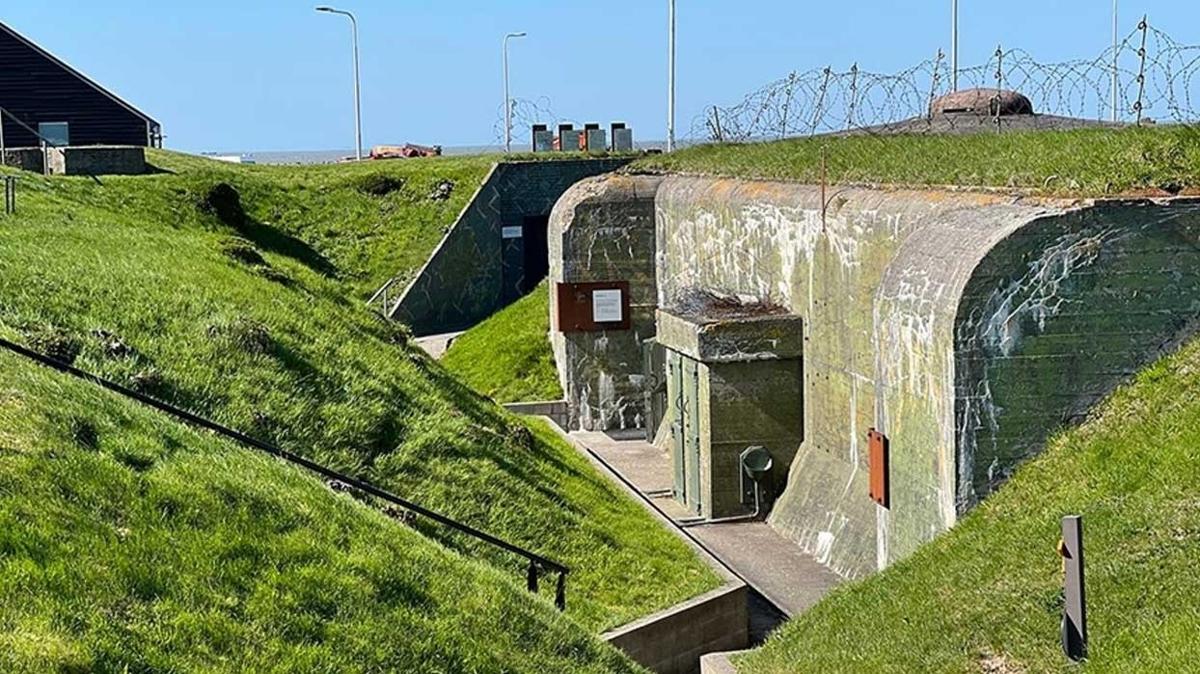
275, 75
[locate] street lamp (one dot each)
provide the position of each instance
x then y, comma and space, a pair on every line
358, 152
954, 46
507, 98
670, 75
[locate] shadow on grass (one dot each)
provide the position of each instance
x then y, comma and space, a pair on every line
224, 202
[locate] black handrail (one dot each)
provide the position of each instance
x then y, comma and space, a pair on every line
537, 563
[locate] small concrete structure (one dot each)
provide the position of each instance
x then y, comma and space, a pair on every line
97, 160
734, 381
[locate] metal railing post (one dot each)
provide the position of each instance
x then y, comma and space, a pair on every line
560, 593
10, 195
531, 578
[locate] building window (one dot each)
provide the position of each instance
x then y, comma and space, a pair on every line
56, 133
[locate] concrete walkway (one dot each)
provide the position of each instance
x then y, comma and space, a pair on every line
774, 566
437, 345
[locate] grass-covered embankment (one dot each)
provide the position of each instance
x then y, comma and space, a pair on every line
169, 283
131, 543
508, 356
371, 221
986, 596
1087, 162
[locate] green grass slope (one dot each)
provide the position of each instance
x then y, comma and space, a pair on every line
986, 596
508, 356
157, 282
366, 223
1090, 162
130, 543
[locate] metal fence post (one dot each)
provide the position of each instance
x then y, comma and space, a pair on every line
933, 87
820, 101
999, 85
1074, 622
787, 102
853, 95
1144, 26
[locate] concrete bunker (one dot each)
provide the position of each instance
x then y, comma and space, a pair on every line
496, 252
962, 328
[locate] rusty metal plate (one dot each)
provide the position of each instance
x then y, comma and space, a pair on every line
588, 307
880, 490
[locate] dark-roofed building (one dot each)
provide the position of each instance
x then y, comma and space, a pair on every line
43, 94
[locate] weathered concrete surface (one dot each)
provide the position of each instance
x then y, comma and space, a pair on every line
719, 663
475, 270
25, 158
554, 410
603, 230
792, 580
672, 641
97, 160
731, 340
966, 327
437, 345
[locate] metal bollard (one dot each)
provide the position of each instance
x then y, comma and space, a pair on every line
1074, 622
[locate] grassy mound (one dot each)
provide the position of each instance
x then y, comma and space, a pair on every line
132, 543
364, 223
986, 596
1090, 162
508, 356
161, 283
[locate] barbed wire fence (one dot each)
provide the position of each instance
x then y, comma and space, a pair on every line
525, 113
1156, 81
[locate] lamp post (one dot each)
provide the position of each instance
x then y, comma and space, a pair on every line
358, 152
670, 75
507, 98
954, 46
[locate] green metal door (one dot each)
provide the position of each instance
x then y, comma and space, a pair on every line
691, 426
675, 409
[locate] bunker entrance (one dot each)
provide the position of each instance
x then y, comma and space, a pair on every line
526, 255
734, 384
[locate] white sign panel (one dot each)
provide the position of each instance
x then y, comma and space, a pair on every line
511, 232
606, 306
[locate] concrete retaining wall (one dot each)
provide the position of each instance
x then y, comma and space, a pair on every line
554, 410
97, 160
25, 158
475, 271
671, 642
